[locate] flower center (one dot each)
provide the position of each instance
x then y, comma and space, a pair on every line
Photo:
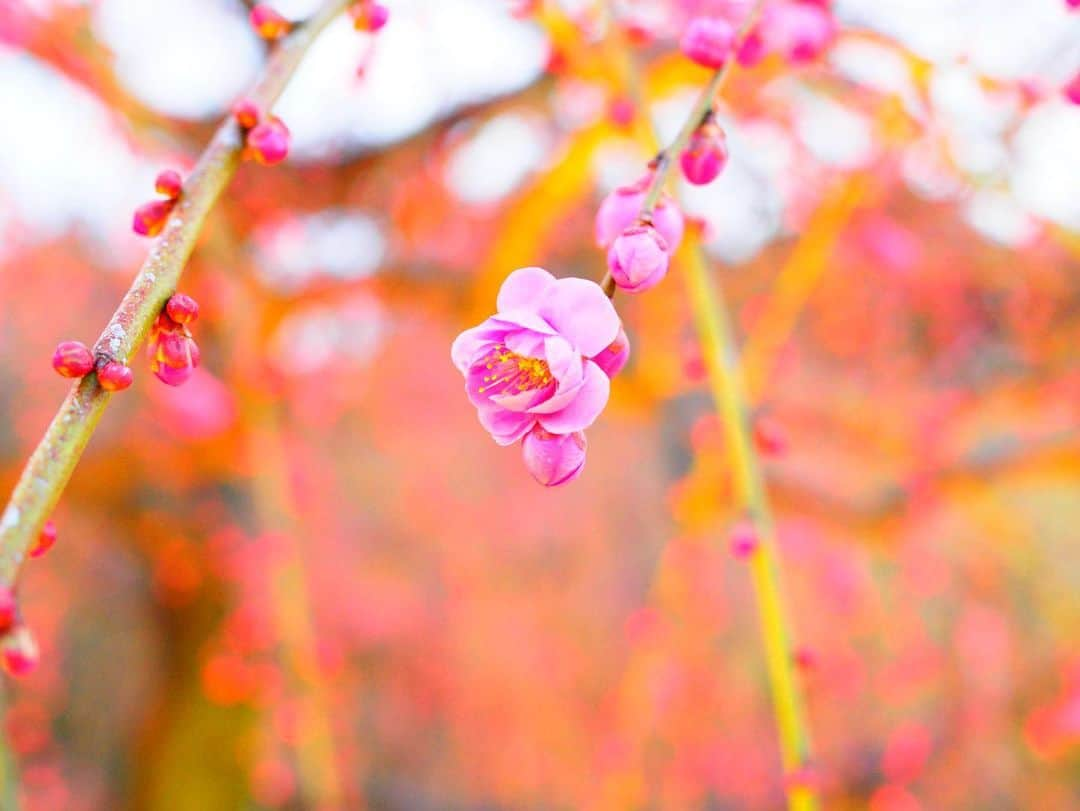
510, 372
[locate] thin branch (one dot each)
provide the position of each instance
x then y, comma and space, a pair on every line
53, 461
713, 324
9, 769
726, 380
703, 107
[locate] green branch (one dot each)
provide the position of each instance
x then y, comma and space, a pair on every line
50, 466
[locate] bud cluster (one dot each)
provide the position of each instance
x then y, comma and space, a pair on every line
174, 355
151, 217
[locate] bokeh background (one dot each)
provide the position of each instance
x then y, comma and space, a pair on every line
308, 578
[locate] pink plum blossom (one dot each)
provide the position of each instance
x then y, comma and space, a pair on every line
743, 540
622, 208
529, 364
553, 459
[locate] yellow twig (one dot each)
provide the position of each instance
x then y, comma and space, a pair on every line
725, 379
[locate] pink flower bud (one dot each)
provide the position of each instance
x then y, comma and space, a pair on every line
1074, 4
743, 540
751, 50
169, 183
173, 349
553, 459
268, 143
182, 309
769, 437
9, 609
20, 652
621, 111
622, 208
115, 376
614, 358
45, 540
369, 15
693, 365
174, 353
805, 658
246, 113
638, 259
708, 41
1072, 90
801, 31
267, 23
72, 359
173, 375
705, 155
151, 217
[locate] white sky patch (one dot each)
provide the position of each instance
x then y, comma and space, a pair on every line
927, 173
744, 207
669, 113
961, 101
834, 134
619, 162
338, 244
874, 65
314, 338
495, 160
576, 103
188, 59
1003, 38
63, 164
998, 217
294, 9
973, 120
433, 56
1046, 176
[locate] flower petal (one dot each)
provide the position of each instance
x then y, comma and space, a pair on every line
558, 400
469, 343
583, 410
526, 342
563, 361
581, 313
505, 427
523, 289
568, 368
524, 319
522, 400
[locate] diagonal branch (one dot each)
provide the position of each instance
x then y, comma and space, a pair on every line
703, 106
53, 461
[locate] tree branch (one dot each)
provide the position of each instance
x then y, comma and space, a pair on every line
665, 160
53, 461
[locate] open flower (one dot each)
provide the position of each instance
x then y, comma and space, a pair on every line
529, 363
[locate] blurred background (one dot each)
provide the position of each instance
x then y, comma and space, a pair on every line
308, 578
